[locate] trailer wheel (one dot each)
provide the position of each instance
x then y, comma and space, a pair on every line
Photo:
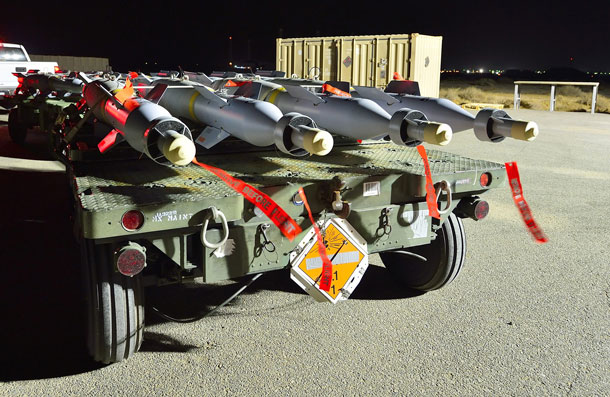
16, 130
115, 306
432, 266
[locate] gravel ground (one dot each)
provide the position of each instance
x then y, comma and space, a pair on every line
522, 318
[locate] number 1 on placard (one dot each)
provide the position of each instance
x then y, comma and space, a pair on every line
333, 287
336, 276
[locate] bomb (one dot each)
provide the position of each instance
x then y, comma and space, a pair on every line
146, 126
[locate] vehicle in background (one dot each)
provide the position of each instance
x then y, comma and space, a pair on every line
15, 59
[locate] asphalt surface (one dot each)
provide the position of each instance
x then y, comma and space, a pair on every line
521, 319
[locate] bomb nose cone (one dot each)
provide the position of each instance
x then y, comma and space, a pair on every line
318, 142
438, 134
179, 150
524, 130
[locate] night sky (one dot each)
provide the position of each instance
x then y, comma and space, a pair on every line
491, 35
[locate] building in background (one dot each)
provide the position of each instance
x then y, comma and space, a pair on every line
80, 64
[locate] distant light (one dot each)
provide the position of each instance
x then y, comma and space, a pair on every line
230, 37
230, 63
480, 70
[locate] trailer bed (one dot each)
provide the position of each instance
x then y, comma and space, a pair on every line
106, 190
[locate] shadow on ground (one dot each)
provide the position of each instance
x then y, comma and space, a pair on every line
43, 327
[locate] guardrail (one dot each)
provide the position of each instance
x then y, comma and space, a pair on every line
554, 84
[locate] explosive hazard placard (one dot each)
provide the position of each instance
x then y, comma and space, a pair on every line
347, 252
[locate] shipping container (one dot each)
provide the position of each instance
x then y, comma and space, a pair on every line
80, 64
364, 60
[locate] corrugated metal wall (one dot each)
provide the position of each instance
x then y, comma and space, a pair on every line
426, 63
364, 60
80, 64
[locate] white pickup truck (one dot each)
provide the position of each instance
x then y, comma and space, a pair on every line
15, 59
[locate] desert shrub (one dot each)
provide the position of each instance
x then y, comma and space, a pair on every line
525, 105
485, 82
570, 90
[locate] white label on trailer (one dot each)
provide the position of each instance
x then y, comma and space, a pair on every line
372, 189
418, 222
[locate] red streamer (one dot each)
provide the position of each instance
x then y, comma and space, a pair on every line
327, 265
278, 216
430, 192
517, 190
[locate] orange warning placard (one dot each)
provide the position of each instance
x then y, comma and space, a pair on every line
344, 255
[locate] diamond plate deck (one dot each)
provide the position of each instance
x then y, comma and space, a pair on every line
103, 187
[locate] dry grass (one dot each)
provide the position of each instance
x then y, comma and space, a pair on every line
568, 99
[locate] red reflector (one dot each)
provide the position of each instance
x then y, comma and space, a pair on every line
132, 220
485, 179
20, 80
56, 69
130, 261
481, 210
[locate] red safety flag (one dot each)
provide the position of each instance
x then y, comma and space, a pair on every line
327, 265
517, 190
430, 192
397, 76
126, 92
231, 83
278, 216
335, 91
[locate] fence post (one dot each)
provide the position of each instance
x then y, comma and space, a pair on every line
594, 99
552, 105
517, 100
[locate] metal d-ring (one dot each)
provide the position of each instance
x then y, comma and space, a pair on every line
214, 213
443, 186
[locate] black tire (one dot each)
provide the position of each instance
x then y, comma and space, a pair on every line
16, 130
444, 259
115, 306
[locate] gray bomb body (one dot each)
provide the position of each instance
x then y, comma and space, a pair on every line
436, 109
256, 122
351, 117
46, 83
247, 119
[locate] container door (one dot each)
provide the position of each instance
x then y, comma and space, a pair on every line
398, 57
313, 59
425, 63
363, 65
